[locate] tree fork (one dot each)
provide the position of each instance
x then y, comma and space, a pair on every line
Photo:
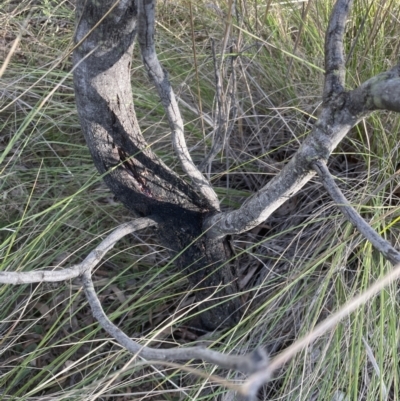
105, 36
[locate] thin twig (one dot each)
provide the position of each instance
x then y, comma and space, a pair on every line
383, 246
15, 44
298, 36
87, 264
146, 18
360, 32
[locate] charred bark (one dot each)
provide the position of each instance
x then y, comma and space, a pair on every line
105, 36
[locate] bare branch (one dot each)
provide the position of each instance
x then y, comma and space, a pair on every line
352, 215
146, 18
250, 363
87, 264
335, 72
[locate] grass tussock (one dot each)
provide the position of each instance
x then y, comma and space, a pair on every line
297, 268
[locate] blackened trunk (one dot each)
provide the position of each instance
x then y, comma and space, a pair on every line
139, 179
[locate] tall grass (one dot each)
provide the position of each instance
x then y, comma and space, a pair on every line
294, 270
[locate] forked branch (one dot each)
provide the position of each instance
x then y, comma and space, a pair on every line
250, 363
87, 264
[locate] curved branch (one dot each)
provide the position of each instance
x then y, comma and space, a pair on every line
352, 215
335, 72
250, 363
146, 18
87, 264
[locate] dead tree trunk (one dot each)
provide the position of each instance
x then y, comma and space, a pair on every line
188, 216
140, 180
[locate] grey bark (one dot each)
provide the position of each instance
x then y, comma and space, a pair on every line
249, 363
94, 257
